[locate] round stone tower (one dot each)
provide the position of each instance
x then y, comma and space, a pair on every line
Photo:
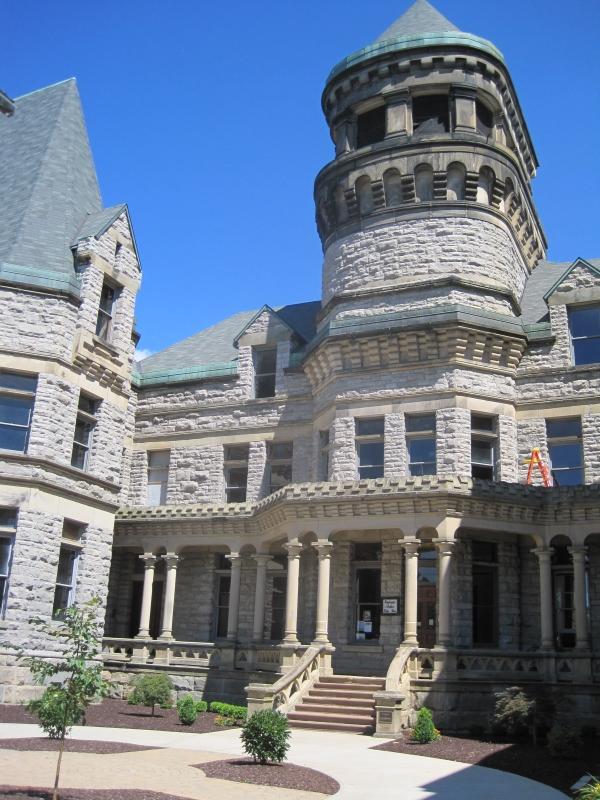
428, 200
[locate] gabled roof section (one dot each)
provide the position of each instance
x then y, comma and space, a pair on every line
47, 180
544, 279
98, 222
579, 263
264, 310
419, 19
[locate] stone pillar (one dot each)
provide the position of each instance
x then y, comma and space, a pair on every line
544, 555
464, 108
411, 568
234, 595
171, 560
581, 625
149, 565
444, 629
291, 605
259, 596
322, 627
397, 113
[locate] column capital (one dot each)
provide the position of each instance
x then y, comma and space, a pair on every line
444, 547
171, 560
292, 550
262, 559
544, 553
149, 560
577, 550
235, 559
410, 545
323, 548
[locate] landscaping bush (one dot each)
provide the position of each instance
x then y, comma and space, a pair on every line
201, 705
591, 791
54, 712
563, 741
153, 690
229, 711
514, 712
265, 736
186, 708
424, 730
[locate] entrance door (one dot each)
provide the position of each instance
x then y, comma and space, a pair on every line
368, 603
136, 608
427, 598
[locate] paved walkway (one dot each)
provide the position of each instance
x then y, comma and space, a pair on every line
361, 771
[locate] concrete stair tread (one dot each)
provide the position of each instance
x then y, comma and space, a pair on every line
301, 713
336, 708
352, 678
317, 691
332, 726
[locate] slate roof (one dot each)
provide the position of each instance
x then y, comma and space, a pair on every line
420, 18
544, 276
48, 183
214, 345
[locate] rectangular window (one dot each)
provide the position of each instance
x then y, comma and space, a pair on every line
104, 323
64, 592
265, 365
280, 465
584, 325
278, 608
222, 611
420, 444
87, 411
370, 127
565, 450
323, 467
8, 527
158, 477
485, 594
17, 396
236, 473
431, 113
369, 447
483, 447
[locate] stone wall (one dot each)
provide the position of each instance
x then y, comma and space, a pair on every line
53, 419
395, 451
453, 439
35, 323
342, 450
196, 475
195, 597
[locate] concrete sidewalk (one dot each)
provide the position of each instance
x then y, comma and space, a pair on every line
361, 771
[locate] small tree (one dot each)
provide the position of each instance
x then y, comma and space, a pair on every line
265, 736
514, 713
75, 680
187, 710
153, 690
424, 730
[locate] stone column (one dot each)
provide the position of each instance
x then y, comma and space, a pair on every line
149, 565
291, 604
444, 630
581, 625
322, 627
171, 560
411, 569
234, 595
464, 108
259, 596
544, 555
396, 108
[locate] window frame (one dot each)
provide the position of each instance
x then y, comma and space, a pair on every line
324, 451
8, 533
487, 436
565, 439
90, 420
429, 434
153, 470
261, 375
26, 396
373, 125
279, 461
366, 439
490, 567
66, 546
571, 312
230, 464
106, 316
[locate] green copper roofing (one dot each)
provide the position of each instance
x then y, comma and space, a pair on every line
185, 375
421, 26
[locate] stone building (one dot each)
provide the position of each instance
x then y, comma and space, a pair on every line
339, 488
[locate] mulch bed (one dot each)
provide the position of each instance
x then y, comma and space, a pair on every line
72, 745
119, 714
521, 758
33, 793
284, 776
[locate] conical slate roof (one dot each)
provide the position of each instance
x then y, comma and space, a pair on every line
48, 182
419, 19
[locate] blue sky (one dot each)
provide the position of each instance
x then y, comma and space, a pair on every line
205, 118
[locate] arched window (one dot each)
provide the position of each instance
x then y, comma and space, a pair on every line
392, 186
424, 183
364, 194
506, 201
341, 209
485, 185
455, 182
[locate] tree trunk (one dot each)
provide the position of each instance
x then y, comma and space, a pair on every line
55, 795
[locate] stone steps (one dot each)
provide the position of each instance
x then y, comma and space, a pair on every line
339, 703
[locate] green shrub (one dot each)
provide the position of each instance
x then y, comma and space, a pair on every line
563, 741
54, 712
265, 736
591, 791
225, 722
153, 690
134, 698
229, 710
201, 705
424, 730
186, 708
514, 712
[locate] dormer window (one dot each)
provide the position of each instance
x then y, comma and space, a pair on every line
370, 127
265, 364
584, 325
431, 114
105, 312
